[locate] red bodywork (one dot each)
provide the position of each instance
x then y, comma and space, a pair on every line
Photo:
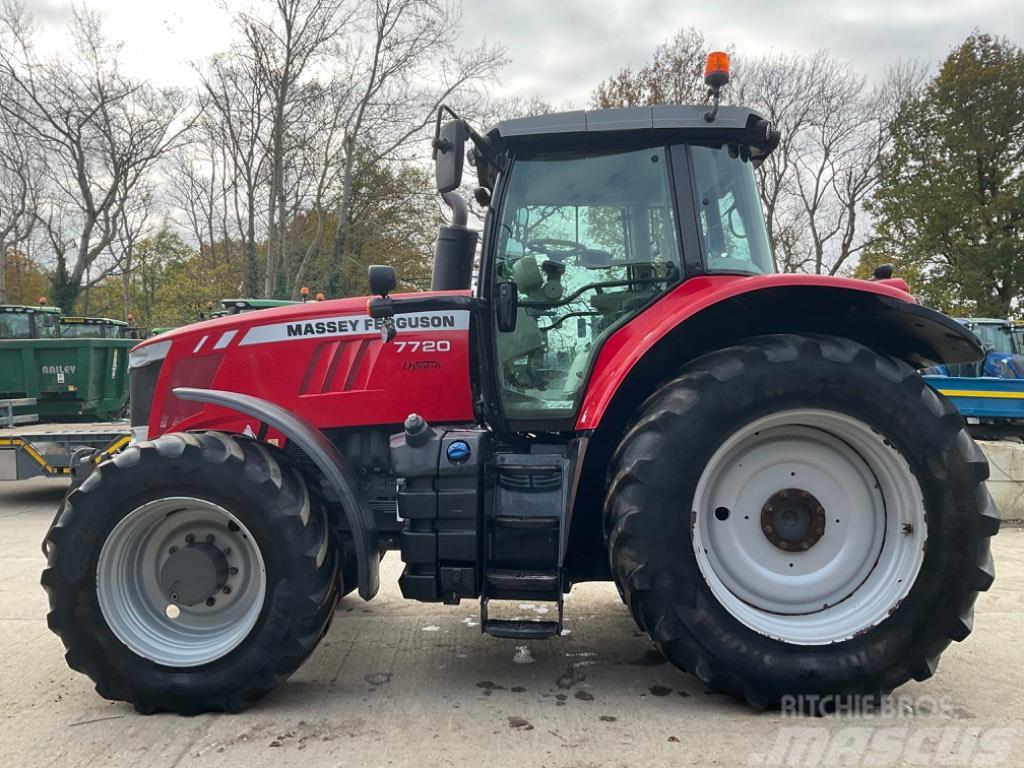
343, 375
338, 375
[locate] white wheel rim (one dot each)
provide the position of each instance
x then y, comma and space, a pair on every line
779, 473
151, 623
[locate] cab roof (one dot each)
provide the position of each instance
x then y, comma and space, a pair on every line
984, 321
93, 321
25, 308
682, 122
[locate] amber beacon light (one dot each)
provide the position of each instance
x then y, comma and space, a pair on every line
716, 75
716, 70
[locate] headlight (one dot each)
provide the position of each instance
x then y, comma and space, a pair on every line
144, 364
148, 353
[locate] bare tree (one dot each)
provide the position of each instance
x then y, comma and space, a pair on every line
237, 103
196, 173
834, 127
284, 50
21, 171
321, 163
102, 133
778, 85
410, 65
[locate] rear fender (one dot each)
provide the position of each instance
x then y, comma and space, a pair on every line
332, 464
707, 313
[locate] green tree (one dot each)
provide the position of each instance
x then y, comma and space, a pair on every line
950, 202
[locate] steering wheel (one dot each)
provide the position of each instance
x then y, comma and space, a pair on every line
557, 249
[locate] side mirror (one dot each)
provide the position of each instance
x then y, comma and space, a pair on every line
449, 154
382, 279
507, 309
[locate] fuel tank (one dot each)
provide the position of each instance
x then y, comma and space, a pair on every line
324, 361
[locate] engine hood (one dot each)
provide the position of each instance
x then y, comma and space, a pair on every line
324, 361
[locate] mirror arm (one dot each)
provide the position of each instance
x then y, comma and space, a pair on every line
488, 150
437, 144
457, 204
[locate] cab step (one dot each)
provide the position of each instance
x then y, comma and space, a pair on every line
525, 585
520, 629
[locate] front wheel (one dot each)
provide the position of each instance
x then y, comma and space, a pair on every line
191, 573
799, 516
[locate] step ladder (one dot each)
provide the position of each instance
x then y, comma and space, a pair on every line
523, 541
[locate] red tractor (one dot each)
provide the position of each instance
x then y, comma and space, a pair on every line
628, 393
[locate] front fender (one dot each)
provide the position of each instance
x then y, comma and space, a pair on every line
332, 463
710, 312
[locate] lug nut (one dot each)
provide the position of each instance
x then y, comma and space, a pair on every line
232, 570
210, 602
190, 539
227, 590
172, 550
209, 538
227, 551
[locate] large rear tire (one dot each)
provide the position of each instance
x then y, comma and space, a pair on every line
191, 573
798, 516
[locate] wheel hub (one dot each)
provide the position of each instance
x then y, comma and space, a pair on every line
793, 520
181, 581
765, 547
194, 573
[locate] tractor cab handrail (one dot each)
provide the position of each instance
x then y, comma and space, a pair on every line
592, 286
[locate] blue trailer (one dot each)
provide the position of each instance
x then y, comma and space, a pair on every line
992, 407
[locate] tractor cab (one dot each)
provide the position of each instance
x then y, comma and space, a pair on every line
592, 216
595, 215
238, 306
21, 322
94, 328
1004, 350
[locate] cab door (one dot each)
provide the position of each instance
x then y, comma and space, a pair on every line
586, 240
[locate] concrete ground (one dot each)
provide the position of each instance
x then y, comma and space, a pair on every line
399, 683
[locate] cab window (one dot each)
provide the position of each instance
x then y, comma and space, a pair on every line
15, 325
731, 221
47, 325
588, 240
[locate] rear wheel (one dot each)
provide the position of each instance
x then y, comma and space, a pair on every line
799, 516
191, 573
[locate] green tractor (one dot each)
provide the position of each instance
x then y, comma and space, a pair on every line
93, 328
238, 306
23, 322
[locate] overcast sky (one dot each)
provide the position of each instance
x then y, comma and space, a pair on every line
562, 48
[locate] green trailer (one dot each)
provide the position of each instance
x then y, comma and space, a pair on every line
69, 379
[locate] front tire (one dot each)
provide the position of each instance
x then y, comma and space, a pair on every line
799, 516
191, 573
